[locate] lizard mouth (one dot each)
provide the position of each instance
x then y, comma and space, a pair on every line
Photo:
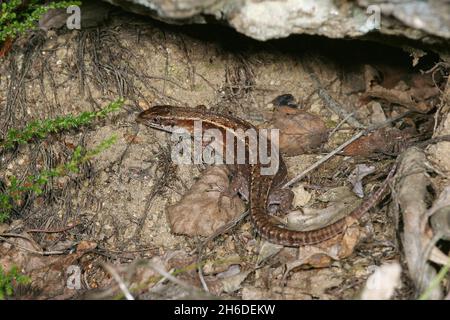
157, 125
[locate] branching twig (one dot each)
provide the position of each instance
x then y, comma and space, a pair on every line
42, 253
341, 147
71, 226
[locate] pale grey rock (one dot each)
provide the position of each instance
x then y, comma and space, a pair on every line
432, 16
424, 20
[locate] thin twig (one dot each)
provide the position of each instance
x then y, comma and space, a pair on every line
340, 124
324, 159
179, 282
217, 233
170, 277
54, 230
341, 147
331, 103
42, 253
119, 281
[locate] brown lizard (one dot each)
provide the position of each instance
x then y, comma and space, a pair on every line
260, 190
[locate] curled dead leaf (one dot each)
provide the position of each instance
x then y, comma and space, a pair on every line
48, 273
400, 97
203, 209
383, 140
356, 177
84, 246
234, 282
300, 132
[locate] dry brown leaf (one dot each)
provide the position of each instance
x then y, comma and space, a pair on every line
383, 140
400, 97
315, 282
234, 282
48, 273
5, 47
299, 286
356, 177
400, 86
423, 86
203, 209
86, 246
300, 132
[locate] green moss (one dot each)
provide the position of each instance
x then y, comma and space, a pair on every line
40, 129
16, 19
9, 279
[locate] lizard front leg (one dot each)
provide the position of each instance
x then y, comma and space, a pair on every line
238, 186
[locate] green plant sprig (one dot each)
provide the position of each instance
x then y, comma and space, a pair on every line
35, 183
435, 281
13, 23
41, 128
8, 279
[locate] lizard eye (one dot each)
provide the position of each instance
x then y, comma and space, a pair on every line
157, 120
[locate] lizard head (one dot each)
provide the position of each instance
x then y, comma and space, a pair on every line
158, 117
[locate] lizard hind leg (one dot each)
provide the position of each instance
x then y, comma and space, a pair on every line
280, 201
238, 187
